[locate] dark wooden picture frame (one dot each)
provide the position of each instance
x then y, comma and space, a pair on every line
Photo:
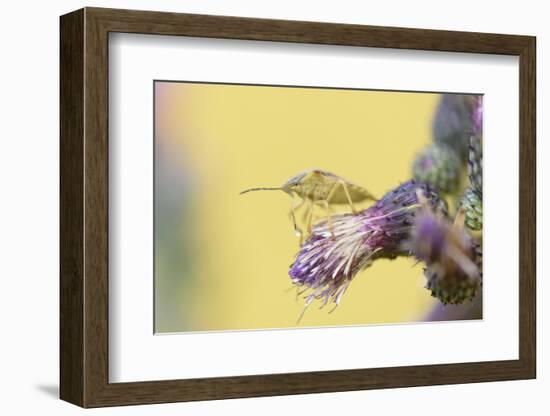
84, 207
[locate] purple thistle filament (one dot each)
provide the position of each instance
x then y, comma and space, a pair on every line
333, 255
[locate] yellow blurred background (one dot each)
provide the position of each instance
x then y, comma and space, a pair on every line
222, 259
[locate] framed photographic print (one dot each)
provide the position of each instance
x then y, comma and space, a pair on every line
255, 207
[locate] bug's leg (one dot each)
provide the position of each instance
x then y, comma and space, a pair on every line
307, 198
329, 198
305, 214
310, 216
332, 191
329, 217
350, 202
293, 209
326, 204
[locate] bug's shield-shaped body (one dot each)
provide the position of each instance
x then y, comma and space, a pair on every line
319, 187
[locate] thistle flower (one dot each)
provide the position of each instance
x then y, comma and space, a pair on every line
335, 252
472, 204
454, 122
439, 166
452, 257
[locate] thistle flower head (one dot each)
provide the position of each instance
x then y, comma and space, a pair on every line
337, 250
452, 257
454, 122
439, 166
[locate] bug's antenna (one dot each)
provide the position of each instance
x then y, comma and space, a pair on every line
260, 189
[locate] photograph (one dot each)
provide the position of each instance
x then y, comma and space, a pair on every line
284, 206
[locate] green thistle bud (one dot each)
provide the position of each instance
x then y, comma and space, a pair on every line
455, 288
472, 204
439, 166
475, 163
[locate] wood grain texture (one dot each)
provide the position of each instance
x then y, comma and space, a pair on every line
84, 207
96, 208
527, 208
71, 213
